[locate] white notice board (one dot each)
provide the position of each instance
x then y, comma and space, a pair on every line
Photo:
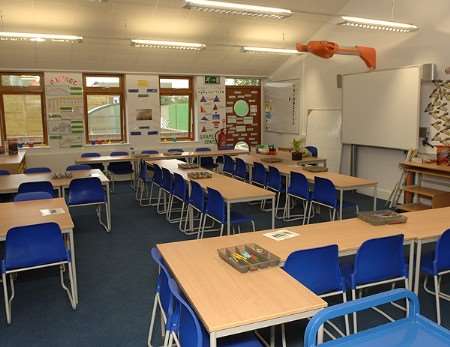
281, 105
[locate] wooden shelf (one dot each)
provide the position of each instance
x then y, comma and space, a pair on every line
423, 191
413, 207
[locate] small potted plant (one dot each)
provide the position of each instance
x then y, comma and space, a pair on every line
298, 148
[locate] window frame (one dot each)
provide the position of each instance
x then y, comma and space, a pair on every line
30, 90
190, 92
106, 91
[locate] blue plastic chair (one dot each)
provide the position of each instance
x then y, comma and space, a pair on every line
28, 247
32, 196
437, 264
197, 203
378, 261
142, 192
156, 182
325, 194
259, 175
216, 210
413, 331
165, 190
276, 184
228, 165
89, 191
313, 150
123, 168
298, 190
175, 150
4, 173
318, 269
39, 186
179, 192
33, 170
190, 332
206, 162
163, 295
240, 170
98, 166
149, 151
78, 167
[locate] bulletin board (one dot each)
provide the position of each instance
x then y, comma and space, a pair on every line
65, 111
281, 106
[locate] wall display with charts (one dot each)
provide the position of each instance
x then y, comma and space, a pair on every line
210, 107
65, 111
143, 109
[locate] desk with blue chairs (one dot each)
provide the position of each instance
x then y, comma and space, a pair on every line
15, 214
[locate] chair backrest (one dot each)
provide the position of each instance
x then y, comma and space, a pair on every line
4, 173
157, 174
274, 179
149, 151
90, 155
299, 185
379, 259
442, 254
316, 268
313, 150
78, 167
167, 179
259, 173
143, 171
325, 192
39, 186
203, 149
179, 186
197, 198
189, 331
32, 196
173, 150
87, 190
34, 245
215, 205
118, 153
32, 170
162, 282
240, 169
228, 164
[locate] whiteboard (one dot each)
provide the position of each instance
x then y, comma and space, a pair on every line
324, 132
382, 108
281, 106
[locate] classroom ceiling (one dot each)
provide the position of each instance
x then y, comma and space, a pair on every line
108, 25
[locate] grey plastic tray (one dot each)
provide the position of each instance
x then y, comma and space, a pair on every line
259, 257
382, 217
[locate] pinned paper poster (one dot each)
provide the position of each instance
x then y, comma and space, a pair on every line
215, 108
280, 235
231, 119
241, 128
203, 99
142, 83
202, 109
216, 116
248, 120
216, 99
51, 211
253, 108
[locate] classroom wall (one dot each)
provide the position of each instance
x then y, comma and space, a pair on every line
428, 45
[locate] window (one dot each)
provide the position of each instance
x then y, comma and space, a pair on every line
104, 108
242, 82
22, 108
177, 100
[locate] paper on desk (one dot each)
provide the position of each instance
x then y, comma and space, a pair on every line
51, 211
280, 235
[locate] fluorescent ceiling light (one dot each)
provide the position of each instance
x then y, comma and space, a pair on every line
240, 9
269, 50
39, 37
168, 44
375, 24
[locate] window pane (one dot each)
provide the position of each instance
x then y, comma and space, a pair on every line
104, 117
23, 117
21, 80
175, 83
175, 116
103, 81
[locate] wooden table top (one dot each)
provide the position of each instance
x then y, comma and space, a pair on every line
14, 214
427, 166
17, 159
340, 181
11, 183
104, 159
175, 155
230, 188
225, 298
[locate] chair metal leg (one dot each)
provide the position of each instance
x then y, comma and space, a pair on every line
347, 327
283, 335
181, 217
221, 229
438, 304
253, 225
309, 212
355, 323
6, 298
152, 320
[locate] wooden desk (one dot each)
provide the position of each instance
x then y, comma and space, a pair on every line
232, 190
229, 302
286, 158
13, 163
341, 182
191, 154
15, 214
11, 183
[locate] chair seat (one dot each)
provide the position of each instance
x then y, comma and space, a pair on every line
84, 198
426, 264
301, 196
120, 170
238, 218
241, 340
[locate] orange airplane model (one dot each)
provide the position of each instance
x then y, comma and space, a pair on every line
327, 49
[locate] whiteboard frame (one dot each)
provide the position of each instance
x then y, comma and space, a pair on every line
420, 67
299, 95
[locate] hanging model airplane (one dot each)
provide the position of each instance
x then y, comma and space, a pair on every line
327, 49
